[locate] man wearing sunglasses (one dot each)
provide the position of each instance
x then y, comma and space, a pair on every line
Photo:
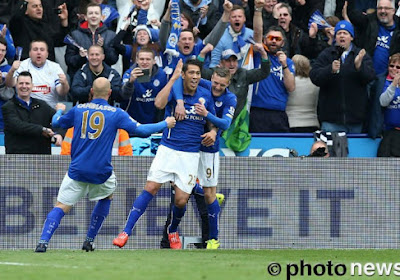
342, 72
268, 105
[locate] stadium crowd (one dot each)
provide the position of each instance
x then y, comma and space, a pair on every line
340, 49
274, 66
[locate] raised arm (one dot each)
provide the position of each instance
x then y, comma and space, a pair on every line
258, 21
162, 97
217, 32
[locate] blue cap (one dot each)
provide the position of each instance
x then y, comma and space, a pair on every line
228, 53
344, 25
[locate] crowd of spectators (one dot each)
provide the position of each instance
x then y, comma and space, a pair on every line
292, 75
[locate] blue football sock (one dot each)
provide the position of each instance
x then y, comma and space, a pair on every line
99, 214
177, 214
198, 189
51, 224
213, 211
138, 208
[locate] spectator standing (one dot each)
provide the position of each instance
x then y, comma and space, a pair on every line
27, 121
390, 97
234, 37
301, 107
241, 78
90, 71
49, 81
90, 32
342, 72
140, 85
203, 13
6, 92
268, 104
377, 33
27, 24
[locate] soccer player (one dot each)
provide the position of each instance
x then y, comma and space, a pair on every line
225, 104
177, 158
90, 171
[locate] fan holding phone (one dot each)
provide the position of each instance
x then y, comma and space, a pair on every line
141, 84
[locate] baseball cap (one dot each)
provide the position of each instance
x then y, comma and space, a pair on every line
228, 53
344, 25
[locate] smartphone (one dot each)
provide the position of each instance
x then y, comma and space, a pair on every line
145, 78
57, 11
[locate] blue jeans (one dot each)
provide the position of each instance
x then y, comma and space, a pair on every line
334, 127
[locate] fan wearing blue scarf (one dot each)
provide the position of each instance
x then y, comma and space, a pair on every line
234, 38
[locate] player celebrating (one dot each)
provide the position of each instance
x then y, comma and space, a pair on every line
177, 157
225, 104
96, 124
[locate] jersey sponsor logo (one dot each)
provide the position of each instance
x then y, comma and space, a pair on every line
191, 114
148, 93
383, 42
45, 89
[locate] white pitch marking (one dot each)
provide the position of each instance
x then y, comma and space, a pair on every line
34, 264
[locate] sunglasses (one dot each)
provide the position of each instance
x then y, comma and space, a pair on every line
277, 38
394, 66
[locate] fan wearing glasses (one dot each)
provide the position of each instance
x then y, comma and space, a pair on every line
390, 97
268, 105
378, 32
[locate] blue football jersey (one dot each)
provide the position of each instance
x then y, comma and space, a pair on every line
224, 108
186, 135
95, 126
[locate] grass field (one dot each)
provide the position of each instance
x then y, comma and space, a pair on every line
185, 264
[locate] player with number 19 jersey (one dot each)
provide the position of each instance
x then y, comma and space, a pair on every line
95, 125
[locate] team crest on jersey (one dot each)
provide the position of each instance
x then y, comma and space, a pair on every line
156, 82
218, 103
202, 100
172, 40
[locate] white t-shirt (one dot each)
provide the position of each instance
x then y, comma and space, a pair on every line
45, 80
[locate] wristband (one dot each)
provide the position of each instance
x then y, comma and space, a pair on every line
283, 68
258, 9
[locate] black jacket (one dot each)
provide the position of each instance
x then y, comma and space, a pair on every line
367, 29
23, 127
343, 96
24, 30
83, 82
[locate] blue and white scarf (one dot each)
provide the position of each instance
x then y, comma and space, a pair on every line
171, 49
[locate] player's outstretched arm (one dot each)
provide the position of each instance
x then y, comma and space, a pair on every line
60, 107
148, 129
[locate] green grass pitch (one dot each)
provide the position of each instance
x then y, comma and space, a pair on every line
184, 264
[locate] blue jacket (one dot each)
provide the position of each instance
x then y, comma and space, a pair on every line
139, 97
